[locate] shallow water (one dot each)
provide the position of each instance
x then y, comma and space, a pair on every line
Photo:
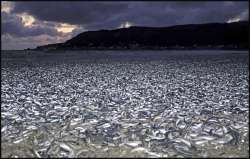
125, 104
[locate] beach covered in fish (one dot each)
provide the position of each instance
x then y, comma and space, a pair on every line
125, 104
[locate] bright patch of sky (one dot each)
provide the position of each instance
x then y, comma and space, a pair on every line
27, 19
242, 16
66, 28
126, 25
6, 6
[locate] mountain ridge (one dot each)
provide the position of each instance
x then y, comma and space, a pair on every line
190, 36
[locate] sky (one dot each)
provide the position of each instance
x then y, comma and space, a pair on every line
31, 24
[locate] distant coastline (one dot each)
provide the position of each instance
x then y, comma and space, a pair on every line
135, 49
139, 49
181, 37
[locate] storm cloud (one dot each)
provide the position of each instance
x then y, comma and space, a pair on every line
13, 25
98, 15
110, 15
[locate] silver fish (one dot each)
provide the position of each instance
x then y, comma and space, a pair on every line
4, 129
139, 149
134, 143
67, 148
226, 139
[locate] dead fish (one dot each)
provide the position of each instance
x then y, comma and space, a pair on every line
183, 150
81, 129
181, 140
18, 141
4, 114
173, 134
31, 127
4, 129
156, 154
74, 108
201, 142
55, 120
38, 103
60, 108
76, 121
51, 112
208, 138
36, 113
217, 132
27, 133
225, 129
193, 134
163, 131
105, 149
197, 127
235, 135
35, 141
139, 149
134, 143
45, 144
106, 125
157, 137
67, 148
226, 139
81, 151
157, 118
36, 153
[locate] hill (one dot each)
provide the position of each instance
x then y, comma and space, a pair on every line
192, 36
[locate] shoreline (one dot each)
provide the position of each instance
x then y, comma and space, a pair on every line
186, 49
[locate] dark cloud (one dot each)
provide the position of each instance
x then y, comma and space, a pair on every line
101, 15
70, 12
13, 25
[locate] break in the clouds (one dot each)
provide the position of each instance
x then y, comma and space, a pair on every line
52, 22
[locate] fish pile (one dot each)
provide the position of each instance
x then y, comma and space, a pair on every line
173, 106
